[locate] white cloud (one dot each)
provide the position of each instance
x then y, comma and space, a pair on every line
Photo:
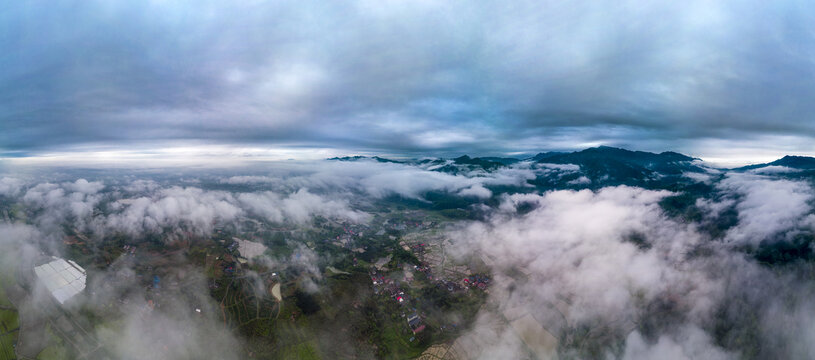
10, 186
141, 186
560, 167
298, 207
689, 343
698, 177
476, 191
248, 179
766, 206
580, 181
188, 209
575, 248
84, 186
773, 169
60, 203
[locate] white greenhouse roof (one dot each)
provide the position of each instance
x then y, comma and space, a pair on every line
63, 279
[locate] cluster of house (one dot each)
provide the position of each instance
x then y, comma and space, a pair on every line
129, 249
349, 231
382, 283
425, 269
478, 280
474, 281
392, 287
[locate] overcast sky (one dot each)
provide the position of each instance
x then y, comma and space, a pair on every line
719, 80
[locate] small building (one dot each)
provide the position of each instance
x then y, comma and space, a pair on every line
415, 323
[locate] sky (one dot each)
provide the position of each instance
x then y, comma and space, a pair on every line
727, 81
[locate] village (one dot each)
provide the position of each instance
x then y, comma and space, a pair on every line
248, 270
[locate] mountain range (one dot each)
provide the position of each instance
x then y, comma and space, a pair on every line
597, 161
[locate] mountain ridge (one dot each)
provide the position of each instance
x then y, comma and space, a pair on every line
790, 161
670, 162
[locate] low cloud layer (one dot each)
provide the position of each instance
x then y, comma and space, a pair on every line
611, 276
143, 206
767, 206
608, 273
380, 180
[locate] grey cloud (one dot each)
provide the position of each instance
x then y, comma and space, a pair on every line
198, 211
305, 260
607, 264
172, 331
297, 207
381, 180
404, 77
10, 186
773, 169
144, 206
691, 343
84, 186
698, 177
179, 334
248, 179
59, 203
476, 191
384, 179
608, 272
571, 264
141, 186
766, 206
193, 209
23, 243
583, 180
170, 328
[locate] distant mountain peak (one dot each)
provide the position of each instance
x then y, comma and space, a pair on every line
544, 155
795, 161
619, 165
620, 153
360, 157
790, 161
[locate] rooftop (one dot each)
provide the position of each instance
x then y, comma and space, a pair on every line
63, 279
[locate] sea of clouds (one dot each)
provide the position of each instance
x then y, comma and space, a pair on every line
607, 272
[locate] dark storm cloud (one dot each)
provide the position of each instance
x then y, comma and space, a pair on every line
405, 76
